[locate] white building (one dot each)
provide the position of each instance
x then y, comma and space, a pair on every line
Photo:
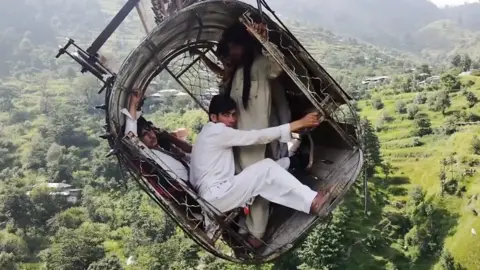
71, 194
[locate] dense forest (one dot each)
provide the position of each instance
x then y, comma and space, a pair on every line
421, 139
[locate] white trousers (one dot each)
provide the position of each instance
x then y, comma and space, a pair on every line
266, 179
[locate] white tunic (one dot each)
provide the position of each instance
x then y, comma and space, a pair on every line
213, 170
172, 166
267, 107
258, 113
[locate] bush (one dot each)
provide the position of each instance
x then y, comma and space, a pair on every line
422, 126
377, 104
420, 98
450, 126
417, 142
412, 111
475, 145
400, 107
471, 99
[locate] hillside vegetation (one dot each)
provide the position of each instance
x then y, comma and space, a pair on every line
396, 24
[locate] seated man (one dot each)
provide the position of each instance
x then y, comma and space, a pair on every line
146, 133
213, 168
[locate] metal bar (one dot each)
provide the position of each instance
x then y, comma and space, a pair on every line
189, 66
193, 63
185, 88
112, 26
142, 18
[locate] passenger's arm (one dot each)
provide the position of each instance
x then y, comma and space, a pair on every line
132, 114
183, 145
272, 68
131, 122
229, 137
211, 65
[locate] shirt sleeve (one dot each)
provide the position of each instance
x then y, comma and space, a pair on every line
229, 137
130, 123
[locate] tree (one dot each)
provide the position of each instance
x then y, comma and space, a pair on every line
450, 82
425, 69
442, 176
71, 218
7, 95
420, 98
74, 249
12, 244
447, 261
371, 146
471, 99
422, 126
440, 102
18, 207
400, 107
387, 169
7, 261
324, 248
466, 63
107, 263
377, 104
412, 111
456, 60
450, 125
475, 145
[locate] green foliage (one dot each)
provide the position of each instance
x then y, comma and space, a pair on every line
450, 82
400, 107
475, 145
420, 98
440, 102
8, 261
371, 148
107, 263
377, 104
457, 60
471, 98
412, 111
448, 262
75, 249
422, 126
323, 247
12, 244
450, 125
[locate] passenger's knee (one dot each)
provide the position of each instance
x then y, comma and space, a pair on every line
268, 162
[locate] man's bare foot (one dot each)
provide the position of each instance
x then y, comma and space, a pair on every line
255, 242
319, 201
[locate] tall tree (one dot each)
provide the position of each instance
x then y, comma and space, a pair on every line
457, 60
466, 63
371, 146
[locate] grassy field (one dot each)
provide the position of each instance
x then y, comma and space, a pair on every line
421, 165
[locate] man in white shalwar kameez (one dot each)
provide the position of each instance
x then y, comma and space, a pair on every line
213, 167
256, 108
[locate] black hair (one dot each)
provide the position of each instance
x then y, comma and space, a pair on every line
238, 34
222, 49
221, 104
143, 125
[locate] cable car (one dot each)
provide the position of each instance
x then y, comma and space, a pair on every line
335, 152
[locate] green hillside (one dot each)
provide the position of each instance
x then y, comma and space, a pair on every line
420, 165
